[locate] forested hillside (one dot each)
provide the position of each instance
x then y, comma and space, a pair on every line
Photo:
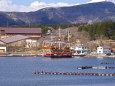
100, 30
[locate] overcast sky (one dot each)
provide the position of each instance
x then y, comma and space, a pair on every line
33, 5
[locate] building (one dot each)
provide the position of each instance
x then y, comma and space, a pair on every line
19, 43
2, 49
30, 32
79, 50
49, 32
103, 50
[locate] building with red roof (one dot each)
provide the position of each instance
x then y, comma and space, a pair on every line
30, 32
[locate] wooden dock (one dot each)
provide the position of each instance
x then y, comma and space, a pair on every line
107, 63
70, 73
94, 67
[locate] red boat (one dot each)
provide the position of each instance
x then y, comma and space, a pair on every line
57, 49
56, 52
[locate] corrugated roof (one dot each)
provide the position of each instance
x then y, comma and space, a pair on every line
13, 38
21, 30
106, 46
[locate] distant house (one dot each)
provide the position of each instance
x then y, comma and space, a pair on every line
49, 32
19, 42
103, 50
30, 32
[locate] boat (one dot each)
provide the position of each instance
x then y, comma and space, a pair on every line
56, 48
79, 50
56, 52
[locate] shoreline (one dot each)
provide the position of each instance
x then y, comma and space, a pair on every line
87, 56
99, 56
40, 55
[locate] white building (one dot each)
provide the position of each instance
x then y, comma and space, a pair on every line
2, 49
103, 50
79, 50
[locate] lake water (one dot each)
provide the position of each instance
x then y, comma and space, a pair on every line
19, 71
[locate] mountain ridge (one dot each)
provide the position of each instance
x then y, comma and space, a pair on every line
85, 13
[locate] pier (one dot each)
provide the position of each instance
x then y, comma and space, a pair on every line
94, 67
107, 63
70, 73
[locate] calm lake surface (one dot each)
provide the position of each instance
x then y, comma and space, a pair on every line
19, 71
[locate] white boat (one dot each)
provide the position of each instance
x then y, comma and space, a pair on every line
79, 50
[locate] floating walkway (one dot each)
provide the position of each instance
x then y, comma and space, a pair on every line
107, 63
94, 67
70, 73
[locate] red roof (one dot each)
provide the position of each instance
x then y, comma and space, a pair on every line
22, 30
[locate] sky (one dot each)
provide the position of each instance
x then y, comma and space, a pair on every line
34, 5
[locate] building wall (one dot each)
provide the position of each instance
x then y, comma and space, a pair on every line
23, 45
2, 43
18, 43
31, 43
99, 50
29, 35
2, 49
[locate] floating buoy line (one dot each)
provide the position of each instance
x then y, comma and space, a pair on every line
107, 63
83, 67
70, 73
94, 67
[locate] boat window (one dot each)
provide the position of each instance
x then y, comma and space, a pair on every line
78, 52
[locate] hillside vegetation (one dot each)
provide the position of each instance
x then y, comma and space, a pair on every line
100, 30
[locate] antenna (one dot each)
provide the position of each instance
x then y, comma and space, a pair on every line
59, 39
7, 23
68, 34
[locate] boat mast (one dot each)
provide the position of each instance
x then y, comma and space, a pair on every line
59, 38
68, 36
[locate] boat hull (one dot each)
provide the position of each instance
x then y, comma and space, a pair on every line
58, 56
81, 55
